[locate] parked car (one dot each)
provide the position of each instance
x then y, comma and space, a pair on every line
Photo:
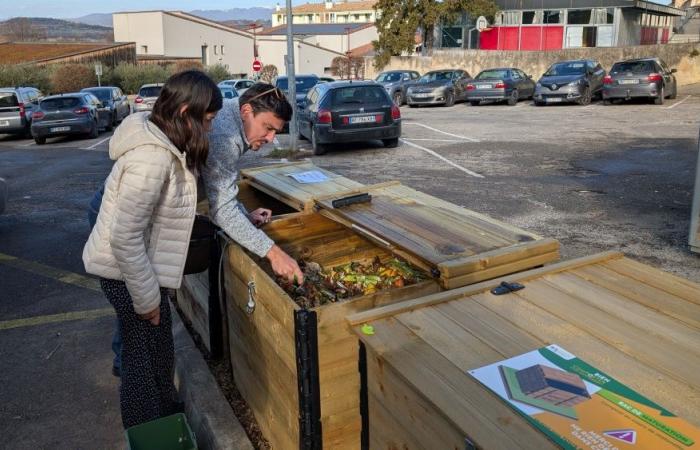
439, 87
113, 98
228, 92
506, 84
17, 105
646, 78
241, 85
396, 82
3, 195
570, 82
304, 83
147, 96
69, 114
349, 111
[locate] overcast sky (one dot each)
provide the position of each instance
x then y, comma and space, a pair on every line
78, 8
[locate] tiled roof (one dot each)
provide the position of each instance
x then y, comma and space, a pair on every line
317, 28
363, 50
23, 52
337, 7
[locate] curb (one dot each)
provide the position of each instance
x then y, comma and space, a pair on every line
207, 410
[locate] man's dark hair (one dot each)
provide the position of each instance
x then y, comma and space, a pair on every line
263, 97
186, 130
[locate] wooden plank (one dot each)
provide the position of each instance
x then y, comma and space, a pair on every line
192, 312
656, 385
694, 235
460, 397
631, 339
408, 305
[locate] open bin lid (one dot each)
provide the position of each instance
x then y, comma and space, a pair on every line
635, 324
457, 245
277, 181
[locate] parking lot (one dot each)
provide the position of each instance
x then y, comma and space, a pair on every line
596, 177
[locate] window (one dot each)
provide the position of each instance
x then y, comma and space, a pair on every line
144, 49
552, 16
357, 17
579, 17
415, 75
216, 50
222, 49
368, 17
452, 37
508, 18
531, 17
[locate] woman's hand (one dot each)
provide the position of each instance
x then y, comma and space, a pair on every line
260, 216
153, 316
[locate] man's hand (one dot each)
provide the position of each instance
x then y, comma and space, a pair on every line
260, 216
284, 265
153, 316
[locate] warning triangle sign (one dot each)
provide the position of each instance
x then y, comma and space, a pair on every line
628, 436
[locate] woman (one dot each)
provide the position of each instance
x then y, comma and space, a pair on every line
139, 243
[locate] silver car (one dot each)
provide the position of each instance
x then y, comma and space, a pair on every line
439, 87
241, 85
645, 78
396, 82
575, 81
17, 105
148, 94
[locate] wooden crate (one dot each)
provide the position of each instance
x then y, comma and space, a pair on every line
633, 322
694, 236
274, 358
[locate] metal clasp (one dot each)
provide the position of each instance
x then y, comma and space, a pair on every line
250, 307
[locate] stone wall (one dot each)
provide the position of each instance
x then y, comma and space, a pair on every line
677, 56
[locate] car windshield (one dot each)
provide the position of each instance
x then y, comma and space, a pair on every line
102, 94
570, 68
150, 91
304, 84
436, 76
634, 67
358, 95
56, 104
8, 100
489, 74
388, 77
228, 92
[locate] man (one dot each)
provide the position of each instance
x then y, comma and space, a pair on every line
243, 124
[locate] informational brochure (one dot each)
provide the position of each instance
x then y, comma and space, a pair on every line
580, 407
312, 176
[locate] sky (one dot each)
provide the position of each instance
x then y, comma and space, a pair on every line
78, 8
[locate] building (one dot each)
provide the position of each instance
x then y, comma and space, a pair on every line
340, 37
555, 24
328, 12
173, 35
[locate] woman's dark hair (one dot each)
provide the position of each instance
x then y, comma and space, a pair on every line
186, 129
263, 97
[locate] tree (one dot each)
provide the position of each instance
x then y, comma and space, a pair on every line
218, 73
340, 67
268, 73
72, 78
400, 19
21, 29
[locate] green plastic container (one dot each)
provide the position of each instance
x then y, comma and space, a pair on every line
167, 433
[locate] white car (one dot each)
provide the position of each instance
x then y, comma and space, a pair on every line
239, 85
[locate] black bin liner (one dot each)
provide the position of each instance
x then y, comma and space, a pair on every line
201, 241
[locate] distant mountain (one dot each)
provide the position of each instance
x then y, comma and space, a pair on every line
243, 24
103, 20
45, 29
251, 14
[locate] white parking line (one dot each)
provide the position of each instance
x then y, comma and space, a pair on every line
676, 104
97, 143
457, 166
435, 140
28, 144
443, 132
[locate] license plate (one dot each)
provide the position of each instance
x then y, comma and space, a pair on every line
628, 81
363, 119
484, 86
422, 95
4, 123
553, 100
59, 129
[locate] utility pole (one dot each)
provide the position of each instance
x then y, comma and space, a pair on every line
291, 80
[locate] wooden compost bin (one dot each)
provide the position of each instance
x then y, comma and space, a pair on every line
694, 236
199, 304
636, 323
298, 368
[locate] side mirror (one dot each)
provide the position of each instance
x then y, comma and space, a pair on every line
529, 77
674, 70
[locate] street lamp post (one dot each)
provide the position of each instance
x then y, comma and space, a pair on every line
291, 79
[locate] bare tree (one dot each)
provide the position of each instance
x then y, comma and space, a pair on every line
268, 73
340, 67
20, 29
357, 67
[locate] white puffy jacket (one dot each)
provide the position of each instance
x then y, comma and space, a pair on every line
145, 221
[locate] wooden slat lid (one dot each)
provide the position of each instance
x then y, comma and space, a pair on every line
275, 180
454, 241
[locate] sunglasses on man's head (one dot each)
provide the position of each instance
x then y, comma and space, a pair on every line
279, 94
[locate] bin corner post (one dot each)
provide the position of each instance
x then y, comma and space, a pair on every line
364, 398
216, 333
306, 339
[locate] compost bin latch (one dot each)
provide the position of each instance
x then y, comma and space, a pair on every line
250, 307
506, 288
351, 200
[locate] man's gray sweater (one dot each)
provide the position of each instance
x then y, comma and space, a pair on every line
227, 143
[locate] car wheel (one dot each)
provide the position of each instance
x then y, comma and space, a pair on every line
585, 97
412, 106
474, 102
95, 131
660, 99
674, 93
513, 99
538, 103
391, 143
607, 102
398, 98
449, 99
319, 149
40, 140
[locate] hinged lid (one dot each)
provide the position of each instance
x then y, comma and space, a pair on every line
633, 322
458, 245
275, 180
